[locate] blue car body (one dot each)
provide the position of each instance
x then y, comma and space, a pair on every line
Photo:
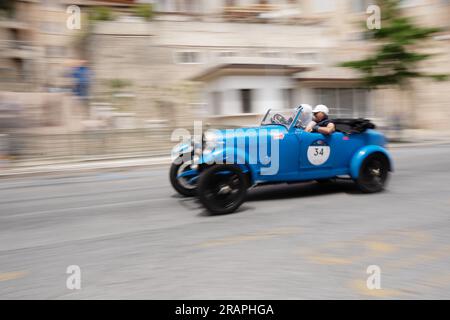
347, 152
275, 152
344, 153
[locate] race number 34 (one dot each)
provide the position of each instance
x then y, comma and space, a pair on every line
318, 152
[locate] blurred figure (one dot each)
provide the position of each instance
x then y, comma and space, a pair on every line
321, 123
82, 79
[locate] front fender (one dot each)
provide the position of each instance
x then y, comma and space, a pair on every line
362, 154
180, 149
227, 156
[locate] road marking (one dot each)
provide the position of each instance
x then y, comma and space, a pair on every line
106, 205
442, 252
329, 260
372, 248
380, 247
260, 235
12, 275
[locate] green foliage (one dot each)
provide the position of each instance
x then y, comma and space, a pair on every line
395, 62
144, 10
101, 14
117, 84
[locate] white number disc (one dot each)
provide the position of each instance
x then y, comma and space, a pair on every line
318, 153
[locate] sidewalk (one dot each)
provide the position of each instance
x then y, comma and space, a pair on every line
72, 166
76, 166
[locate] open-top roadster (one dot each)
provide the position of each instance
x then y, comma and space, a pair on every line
220, 168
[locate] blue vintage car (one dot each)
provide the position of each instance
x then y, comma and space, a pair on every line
221, 167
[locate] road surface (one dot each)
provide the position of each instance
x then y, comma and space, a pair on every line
133, 237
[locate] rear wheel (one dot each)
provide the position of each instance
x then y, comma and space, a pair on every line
183, 177
373, 173
222, 188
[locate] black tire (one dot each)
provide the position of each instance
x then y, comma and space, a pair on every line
373, 173
222, 188
180, 185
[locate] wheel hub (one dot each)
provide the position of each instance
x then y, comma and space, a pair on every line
225, 189
376, 172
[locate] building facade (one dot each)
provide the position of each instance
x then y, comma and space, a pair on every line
232, 59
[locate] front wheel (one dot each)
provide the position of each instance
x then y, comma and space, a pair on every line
222, 188
373, 174
183, 177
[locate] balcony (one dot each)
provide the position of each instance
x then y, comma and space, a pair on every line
248, 13
265, 13
224, 66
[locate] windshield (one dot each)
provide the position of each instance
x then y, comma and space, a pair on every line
285, 118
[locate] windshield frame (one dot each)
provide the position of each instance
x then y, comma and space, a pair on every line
296, 112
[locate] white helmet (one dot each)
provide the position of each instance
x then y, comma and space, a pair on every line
306, 115
306, 108
321, 108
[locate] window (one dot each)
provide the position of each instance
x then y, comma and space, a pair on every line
217, 102
361, 5
271, 54
410, 3
344, 102
246, 100
187, 57
224, 54
288, 98
185, 6
307, 57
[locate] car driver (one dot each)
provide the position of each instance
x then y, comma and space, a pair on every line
321, 123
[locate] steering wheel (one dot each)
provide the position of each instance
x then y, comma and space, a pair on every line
278, 118
300, 124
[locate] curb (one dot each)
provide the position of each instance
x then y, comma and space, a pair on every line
91, 165
416, 144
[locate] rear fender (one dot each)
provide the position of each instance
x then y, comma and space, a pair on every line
362, 154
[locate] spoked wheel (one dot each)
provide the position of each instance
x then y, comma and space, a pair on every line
184, 178
222, 188
373, 173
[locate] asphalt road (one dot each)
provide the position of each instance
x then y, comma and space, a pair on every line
132, 237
